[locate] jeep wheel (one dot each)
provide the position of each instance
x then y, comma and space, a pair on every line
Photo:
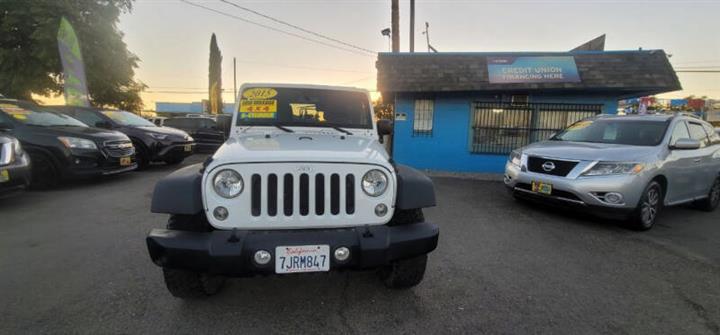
405, 273
191, 285
645, 215
406, 216
713, 199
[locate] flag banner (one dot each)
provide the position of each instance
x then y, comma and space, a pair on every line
76, 93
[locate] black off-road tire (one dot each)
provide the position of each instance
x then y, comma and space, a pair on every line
648, 209
191, 285
404, 273
406, 216
188, 284
713, 199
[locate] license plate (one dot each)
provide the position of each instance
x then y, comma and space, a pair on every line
540, 187
4, 176
188, 147
302, 258
125, 161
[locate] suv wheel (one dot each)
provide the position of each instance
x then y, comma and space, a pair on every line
713, 199
188, 285
43, 171
404, 273
646, 213
141, 157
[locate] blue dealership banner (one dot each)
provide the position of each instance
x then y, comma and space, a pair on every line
544, 69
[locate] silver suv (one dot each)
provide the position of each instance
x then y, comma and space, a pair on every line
623, 166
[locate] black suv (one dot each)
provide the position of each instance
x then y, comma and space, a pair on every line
152, 143
61, 147
14, 165
206, 132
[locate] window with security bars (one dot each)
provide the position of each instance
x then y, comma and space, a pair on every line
423, 117
498, 127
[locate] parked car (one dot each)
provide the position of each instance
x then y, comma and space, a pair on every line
152, 143
623, 166
14, 166
61, 147
205, 131
294, 193
158, 121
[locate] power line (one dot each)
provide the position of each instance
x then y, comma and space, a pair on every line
301, 67
276, 29
298, 27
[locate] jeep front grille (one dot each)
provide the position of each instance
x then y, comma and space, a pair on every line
311, 196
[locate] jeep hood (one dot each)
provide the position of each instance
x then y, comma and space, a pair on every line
590, 151
298, 147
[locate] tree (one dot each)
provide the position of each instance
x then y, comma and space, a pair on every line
29, 58
215, 77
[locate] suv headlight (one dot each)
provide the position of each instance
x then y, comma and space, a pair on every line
77, 143
374, 183
515, 158
611, 168
228, 183
189, 138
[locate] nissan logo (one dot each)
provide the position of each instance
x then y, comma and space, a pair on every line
548, 166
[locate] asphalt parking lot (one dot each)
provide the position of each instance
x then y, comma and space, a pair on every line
73, 260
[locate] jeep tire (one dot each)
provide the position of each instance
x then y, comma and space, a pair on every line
404, 273
188, 284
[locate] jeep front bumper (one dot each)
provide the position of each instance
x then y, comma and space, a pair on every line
230, 253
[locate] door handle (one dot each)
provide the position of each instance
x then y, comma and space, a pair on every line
697, 160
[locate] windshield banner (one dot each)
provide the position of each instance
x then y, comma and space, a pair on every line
546, 69
76, 93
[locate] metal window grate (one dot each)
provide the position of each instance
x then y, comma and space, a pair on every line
500, 127
423, 117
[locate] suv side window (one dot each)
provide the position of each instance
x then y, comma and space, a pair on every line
714, 136
680, 131
698, 133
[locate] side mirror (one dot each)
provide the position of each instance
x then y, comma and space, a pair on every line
103, 124
384, 127
685, 144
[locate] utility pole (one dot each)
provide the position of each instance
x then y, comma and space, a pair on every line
234, 81
395, 26
427, 34
412, 25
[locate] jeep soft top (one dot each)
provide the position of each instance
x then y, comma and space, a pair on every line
301, 185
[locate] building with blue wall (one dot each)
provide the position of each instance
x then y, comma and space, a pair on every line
465, 112
188, 107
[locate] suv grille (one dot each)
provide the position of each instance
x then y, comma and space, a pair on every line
541, 165
120, 148
310, 196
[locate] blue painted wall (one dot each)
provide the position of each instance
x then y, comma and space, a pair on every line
448, 148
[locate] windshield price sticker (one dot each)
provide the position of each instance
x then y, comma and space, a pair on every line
307, 112
15, 111
259, 93
258, 109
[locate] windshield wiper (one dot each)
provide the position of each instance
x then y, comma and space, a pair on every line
342, 130
287, 130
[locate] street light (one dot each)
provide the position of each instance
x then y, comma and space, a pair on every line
386, 32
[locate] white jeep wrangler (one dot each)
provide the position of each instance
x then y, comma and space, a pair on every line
303, 184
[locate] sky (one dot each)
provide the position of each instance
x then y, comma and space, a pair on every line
172, 37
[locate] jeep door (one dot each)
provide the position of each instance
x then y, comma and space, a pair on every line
680, 167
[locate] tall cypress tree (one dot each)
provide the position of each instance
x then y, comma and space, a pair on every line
215, 77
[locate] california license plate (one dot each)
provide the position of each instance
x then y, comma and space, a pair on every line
4, 176
302, 258
125, 161
542, 188
188, 147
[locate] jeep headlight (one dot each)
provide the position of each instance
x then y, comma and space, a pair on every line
228, 183
374, 183
515, 158
612, 168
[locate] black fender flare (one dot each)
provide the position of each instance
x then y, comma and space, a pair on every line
414, 189
179, 192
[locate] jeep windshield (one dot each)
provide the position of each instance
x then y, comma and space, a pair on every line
304, 107
615, 131
33, 115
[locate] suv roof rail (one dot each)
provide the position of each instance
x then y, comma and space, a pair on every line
687, 114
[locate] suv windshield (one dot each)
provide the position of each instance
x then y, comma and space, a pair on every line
615, 131
34, 115
264, 106
128, 119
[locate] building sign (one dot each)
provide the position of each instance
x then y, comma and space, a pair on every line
545, 69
